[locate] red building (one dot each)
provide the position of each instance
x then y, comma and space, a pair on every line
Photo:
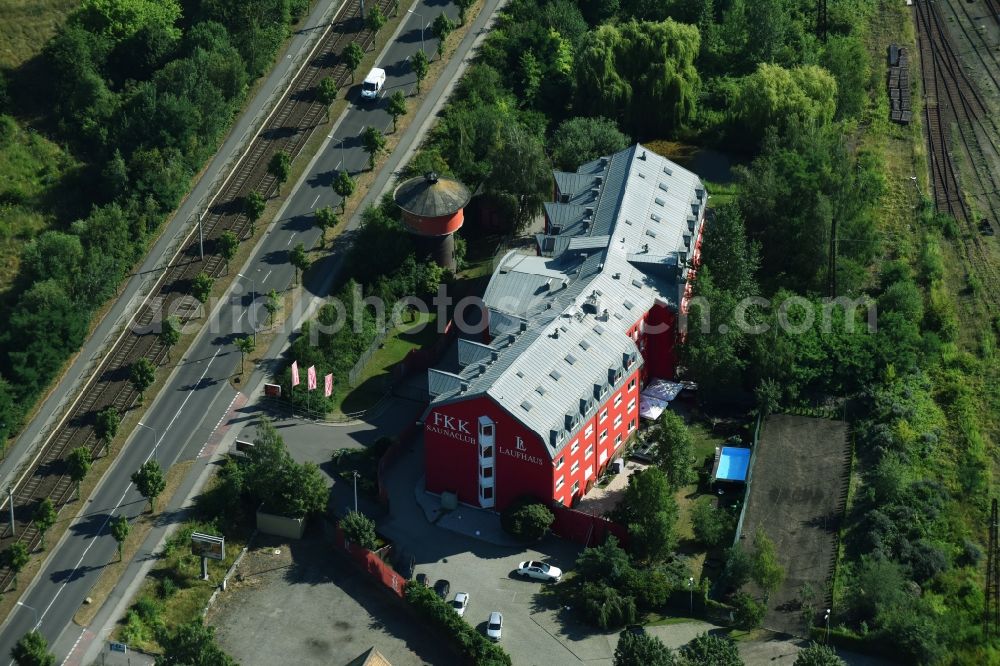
545, 403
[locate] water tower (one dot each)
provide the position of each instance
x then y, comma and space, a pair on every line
432, 211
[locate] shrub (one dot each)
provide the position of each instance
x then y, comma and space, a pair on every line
148, 609
528, 521
711, 650
606, 607
360, 529
712, 526
818, 655
168, 588
642, 649
749, 611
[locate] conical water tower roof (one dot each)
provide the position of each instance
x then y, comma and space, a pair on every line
431, 196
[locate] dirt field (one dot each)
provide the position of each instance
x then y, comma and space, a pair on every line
798, 492
304, 606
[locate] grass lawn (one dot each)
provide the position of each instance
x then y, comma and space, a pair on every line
377, 375
27, 25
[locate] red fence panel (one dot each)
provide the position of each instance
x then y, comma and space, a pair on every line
584, 528
372, 564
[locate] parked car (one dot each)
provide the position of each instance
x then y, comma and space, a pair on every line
540, 571
494, 626
442, 587
460, 603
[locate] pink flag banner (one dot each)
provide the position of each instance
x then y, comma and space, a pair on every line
295, 373
311, 378
328, 385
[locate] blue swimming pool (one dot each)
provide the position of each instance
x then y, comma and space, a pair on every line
733, 464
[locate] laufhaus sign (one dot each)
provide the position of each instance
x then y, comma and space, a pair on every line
451, 426
519, 452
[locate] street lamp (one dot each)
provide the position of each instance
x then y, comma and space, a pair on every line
38, 620
827, 619
691, 594
156, 437
356, 475
423, 23
253, 293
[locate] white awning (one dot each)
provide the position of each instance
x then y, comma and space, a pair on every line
650, 408
661, 389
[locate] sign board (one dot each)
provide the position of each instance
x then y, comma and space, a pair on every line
272, 390
243, 446
118, 647
206, 545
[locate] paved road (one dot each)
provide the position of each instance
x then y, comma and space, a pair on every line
198, 395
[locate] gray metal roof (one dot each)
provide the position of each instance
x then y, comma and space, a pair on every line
559, 321
431, 195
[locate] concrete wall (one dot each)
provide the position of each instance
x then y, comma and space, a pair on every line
290, 528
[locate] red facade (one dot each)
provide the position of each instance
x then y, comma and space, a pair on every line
454, 448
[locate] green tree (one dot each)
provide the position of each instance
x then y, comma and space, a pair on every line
299, 259
254, 205
420, 65
32, 650
847, 59
326, 94
343, 186
141, 374
768, 396
201, 287
374, 143
641, 648
44, 518
120, 528
623, 71
149, 481
531, 76
529, 521
765, 570
118, 20
78, 463
463, 7
170, 333
279, 483
673, 451
441, 28
397, 107
520, 179
246, 345
272, 304
54, 255
192, 644
649, 510
818, 655
775, 97
749, 611
229, 244
711, 650
360, 529
712, 525
43, 328
280, 167
325, 219
353, 55
375, 20
15, 557
106, 426
580, 140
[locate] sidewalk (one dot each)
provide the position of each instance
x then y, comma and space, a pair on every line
133, 294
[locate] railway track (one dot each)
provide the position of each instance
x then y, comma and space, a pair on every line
287, 129
951, 99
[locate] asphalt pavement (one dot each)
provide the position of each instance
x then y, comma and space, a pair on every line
197, 396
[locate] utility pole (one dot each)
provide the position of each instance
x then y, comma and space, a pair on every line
10, 505
356, 475
691, 595
201, 235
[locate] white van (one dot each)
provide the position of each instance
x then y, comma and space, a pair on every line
373, 83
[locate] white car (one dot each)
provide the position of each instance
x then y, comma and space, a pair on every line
460, 603
494, 626
539, 570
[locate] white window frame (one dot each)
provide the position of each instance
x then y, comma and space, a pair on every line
589, 452
618, 420
631, 405
604, 437
604, 416
631, 425
575, 467
618, 441
590, 430
575, 446
559, 482
576, 487
560, 462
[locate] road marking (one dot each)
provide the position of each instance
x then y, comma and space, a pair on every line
267, 276
243, 314
314, 201
290, 239
224, 416
76, 568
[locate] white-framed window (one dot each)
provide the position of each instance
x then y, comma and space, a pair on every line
589, 452
631, 404
618, 420
631, 425
576, 487
487, 492
559, 463
561, 500
604, 456
559, 482
575, 468
487, 472
604, 436
575, 446
618, 441
604, 416
631, 384
618, 399
587, 473
590, 430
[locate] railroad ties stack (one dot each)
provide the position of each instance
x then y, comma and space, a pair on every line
899, 85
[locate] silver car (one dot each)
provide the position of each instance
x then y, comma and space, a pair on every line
494, 626
460, 603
